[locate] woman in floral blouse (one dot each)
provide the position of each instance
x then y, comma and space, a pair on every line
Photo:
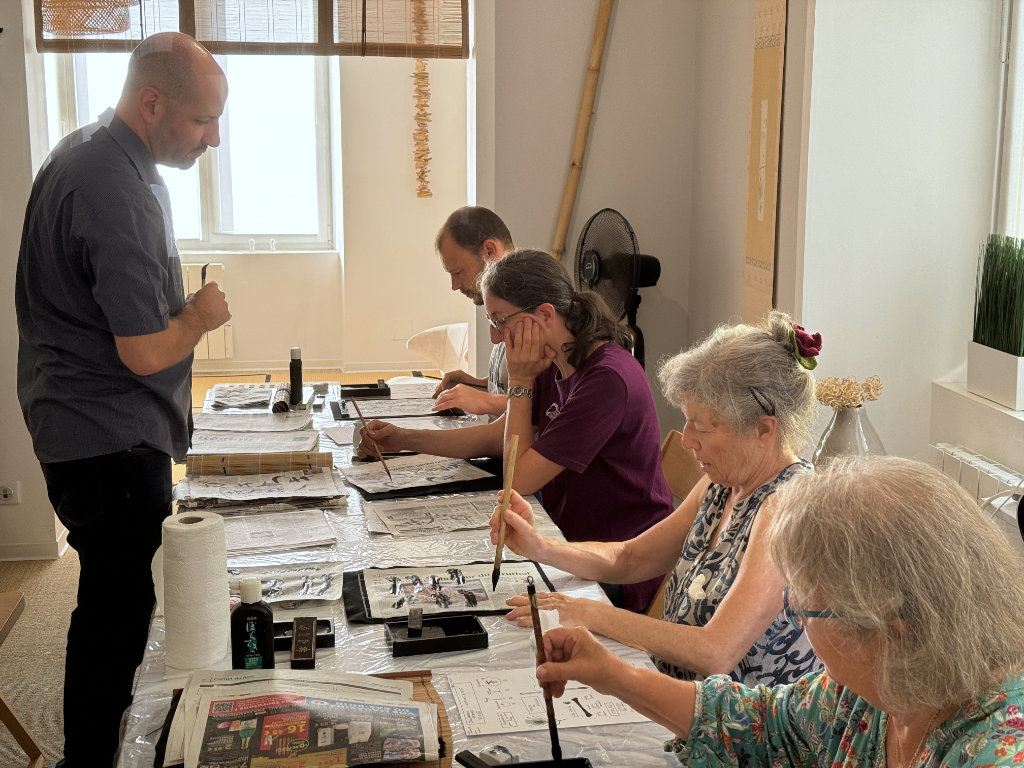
910, 596
747, 396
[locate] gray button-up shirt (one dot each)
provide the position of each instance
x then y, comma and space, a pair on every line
98, 260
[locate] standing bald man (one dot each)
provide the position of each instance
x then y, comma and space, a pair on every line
105, 356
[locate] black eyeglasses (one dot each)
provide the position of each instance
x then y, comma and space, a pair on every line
762, 400
498, 323
796, 617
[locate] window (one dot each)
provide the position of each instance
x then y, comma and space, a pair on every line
1008, 216
267, 186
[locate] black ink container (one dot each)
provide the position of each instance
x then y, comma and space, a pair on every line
252, 629
295, 372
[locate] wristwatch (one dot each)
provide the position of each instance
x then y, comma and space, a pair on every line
520, 391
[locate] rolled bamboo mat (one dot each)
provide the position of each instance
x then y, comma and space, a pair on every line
254, 463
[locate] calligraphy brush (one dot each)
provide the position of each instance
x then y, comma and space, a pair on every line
556, 748
202, 273
375, 446
506, 499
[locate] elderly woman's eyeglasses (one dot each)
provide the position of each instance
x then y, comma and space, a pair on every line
797, 617
763, 401
498, 323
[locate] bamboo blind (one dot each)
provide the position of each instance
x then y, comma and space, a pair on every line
323, 27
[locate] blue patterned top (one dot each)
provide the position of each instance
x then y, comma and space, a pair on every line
816, 721
703, 576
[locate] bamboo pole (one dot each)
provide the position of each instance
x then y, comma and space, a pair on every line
579, 147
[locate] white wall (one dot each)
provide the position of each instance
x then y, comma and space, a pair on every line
725, 55
902, 126
29, 530
640, 158
393, 282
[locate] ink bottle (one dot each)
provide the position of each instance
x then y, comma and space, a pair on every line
252, 629
295, 375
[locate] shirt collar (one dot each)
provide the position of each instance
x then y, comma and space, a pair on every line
132, 145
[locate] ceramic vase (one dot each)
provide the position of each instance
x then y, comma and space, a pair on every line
848, 434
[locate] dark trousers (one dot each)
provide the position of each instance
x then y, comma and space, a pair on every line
113, 507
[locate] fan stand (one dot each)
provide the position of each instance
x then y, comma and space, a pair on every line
638, 344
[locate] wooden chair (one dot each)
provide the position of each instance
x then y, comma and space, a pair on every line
11, 606
681, 472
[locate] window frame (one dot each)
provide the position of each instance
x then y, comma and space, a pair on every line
68, 89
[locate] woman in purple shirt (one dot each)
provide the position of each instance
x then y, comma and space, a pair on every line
589, 440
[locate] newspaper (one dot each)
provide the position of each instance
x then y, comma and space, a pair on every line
277, 532
391, 592
249, 718
219, 441
253, 422
242, 395
317, 483
383, 409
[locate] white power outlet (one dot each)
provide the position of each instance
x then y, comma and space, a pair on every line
10, 493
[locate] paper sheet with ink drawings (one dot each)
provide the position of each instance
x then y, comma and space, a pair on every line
435, 515
391, 592
511, 700
416, 471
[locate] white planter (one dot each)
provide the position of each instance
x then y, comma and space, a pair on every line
995, 375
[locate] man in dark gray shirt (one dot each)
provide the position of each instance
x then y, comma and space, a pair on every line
104, 361
471, 237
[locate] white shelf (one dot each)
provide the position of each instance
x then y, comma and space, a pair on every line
963, 418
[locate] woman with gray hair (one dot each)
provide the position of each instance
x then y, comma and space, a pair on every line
747, 394
897, 575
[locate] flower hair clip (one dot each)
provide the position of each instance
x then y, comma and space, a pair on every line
806, 346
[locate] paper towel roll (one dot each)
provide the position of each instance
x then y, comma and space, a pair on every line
195, 590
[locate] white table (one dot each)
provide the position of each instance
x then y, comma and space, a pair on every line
361, 648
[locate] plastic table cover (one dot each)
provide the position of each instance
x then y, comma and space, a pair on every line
361, 648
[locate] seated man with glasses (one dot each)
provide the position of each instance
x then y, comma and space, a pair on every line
911, 597
580, 403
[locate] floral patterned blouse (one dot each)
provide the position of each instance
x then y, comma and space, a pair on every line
816, 721
703, 576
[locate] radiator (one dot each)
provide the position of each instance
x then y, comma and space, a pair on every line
217, 344
996, 487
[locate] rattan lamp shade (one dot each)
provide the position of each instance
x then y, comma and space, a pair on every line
321, 27
71, 18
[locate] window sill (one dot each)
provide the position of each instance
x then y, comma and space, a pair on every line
963, 418
194, 256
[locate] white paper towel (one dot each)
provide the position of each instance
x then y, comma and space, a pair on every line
195, 590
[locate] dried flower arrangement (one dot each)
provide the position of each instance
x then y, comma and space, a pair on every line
847, 392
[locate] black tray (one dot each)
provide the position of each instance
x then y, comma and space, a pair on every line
470, 760
283, 634
380, 389
441, 634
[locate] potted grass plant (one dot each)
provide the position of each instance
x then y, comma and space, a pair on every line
995, 357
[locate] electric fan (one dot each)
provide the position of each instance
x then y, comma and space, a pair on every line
607, 262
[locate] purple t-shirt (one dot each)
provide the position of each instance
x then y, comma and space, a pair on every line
600, 424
